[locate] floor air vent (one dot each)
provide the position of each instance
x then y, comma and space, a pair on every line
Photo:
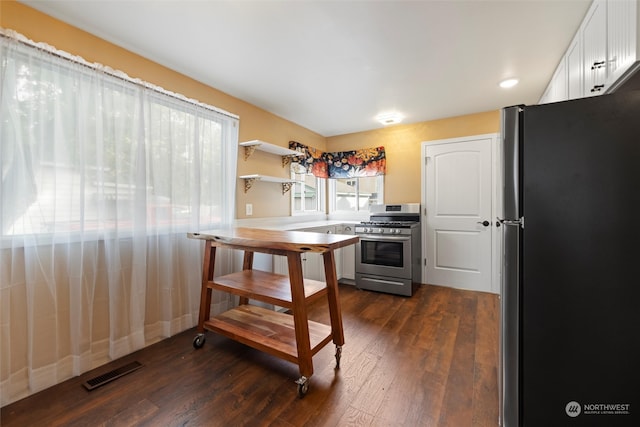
111, 375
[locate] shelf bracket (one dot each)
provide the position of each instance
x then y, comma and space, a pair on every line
287, 160
248, 151
286, 186
248, 182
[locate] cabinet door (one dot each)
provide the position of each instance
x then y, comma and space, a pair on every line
621, 37
557, 89
349, 262
261, 261
546, 96
574, 68
594, 39
280, 265
312, 265
348, 256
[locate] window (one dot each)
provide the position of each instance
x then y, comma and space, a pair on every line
85, 151
307, 194
355, 194
101, 178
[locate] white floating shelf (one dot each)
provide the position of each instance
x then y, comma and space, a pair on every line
287, 183
256, 144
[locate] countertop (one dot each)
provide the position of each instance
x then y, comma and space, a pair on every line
290, 223
263, 240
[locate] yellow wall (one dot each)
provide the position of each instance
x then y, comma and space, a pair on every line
403, 144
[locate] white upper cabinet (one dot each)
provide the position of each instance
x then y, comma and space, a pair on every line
594, 42
560, 87
575, 70
621, 37
601, 55
557, 90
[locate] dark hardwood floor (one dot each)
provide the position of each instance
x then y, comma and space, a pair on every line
428, 360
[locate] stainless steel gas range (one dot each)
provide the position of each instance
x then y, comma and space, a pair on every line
389, 253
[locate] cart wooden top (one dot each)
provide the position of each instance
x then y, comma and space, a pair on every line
274, 241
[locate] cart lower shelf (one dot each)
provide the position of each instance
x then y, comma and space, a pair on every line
266, 330
267, 287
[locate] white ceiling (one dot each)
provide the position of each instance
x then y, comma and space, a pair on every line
332, 66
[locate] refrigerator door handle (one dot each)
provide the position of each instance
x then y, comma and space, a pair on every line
513, 222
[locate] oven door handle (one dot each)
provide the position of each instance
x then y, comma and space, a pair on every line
378, 238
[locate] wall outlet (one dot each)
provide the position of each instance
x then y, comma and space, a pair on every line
248, 209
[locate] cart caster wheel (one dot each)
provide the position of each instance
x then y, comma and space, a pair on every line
303, 386
198, 341
338, 356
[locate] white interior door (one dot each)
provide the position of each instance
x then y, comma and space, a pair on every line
458, 217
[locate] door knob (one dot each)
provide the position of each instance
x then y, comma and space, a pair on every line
484, 223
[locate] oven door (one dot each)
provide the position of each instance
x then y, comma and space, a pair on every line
384, 256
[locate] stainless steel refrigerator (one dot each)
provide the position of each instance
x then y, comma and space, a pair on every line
570, 316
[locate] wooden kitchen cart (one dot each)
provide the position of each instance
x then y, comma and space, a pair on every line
293, 336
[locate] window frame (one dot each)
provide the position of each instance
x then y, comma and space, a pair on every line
333, 195
320, 208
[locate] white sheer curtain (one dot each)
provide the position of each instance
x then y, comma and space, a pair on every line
102, 177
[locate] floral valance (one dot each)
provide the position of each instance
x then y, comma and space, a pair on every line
343, 164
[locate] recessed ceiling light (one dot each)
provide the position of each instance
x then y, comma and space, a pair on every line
506, 84
389, 118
